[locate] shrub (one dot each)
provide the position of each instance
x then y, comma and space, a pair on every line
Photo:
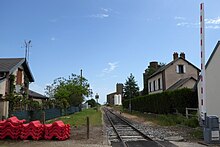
165, 102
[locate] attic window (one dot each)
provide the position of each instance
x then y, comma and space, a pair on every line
180, 69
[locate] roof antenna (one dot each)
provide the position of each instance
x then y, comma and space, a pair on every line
27, 47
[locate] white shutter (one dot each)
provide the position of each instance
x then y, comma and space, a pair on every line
184, 69
177, 68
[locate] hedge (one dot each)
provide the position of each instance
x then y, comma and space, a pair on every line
165, 102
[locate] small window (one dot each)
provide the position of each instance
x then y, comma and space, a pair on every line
159, 84
154, 85
180, 69
150, 86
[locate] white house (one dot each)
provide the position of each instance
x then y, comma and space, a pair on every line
18, 69
179, 73
212, 83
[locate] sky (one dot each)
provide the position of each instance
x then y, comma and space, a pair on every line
107, 39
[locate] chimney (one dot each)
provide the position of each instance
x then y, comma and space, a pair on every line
175, 55
182, 54
154, 64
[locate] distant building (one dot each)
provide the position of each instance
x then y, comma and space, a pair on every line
119, 92
37, 97
212, 84
177, 74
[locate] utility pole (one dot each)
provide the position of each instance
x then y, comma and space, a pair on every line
81, 77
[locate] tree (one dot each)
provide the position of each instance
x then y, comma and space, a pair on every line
91, 102
131, 88
69, 91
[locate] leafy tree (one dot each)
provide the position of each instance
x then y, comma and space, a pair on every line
69, 91
131, 88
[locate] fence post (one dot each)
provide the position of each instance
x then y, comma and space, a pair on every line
43, 117
87, 120
187, 113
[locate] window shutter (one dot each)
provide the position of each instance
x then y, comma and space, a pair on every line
184, 69
177, 69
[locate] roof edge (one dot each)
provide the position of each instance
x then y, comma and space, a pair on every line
213, 52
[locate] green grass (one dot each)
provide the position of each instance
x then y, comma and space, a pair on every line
167, 120
79, 119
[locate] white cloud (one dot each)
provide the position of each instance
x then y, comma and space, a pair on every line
111, 67
105, 9
100, 15
179, 18
214, 21
212, 26
182, 24
52, 38
210, 23
104, 13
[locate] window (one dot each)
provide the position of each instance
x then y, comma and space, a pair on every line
159, 84
150, 86
154, 85
19, 77
181, 69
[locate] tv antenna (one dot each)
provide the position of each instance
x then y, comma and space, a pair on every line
27, 45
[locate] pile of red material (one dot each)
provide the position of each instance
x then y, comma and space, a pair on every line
15, 129
57, 130
11, 128
33, 129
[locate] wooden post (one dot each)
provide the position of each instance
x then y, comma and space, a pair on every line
187, 113
87, 118
43, 117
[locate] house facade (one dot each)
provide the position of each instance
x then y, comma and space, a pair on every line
119, 92
15, 76
179, 73
212, 80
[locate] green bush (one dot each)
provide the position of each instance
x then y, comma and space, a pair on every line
192, 122
165, 102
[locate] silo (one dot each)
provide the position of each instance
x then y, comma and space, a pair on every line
115, 99
119, 99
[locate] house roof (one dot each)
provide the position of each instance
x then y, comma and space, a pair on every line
180, 83
210, 58
11, 64
36, 95
161, 69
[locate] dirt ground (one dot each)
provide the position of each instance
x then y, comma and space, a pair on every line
78, 138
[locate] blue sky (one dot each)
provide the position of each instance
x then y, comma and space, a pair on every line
107, 39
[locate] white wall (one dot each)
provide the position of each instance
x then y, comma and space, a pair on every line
212, 86
2, 87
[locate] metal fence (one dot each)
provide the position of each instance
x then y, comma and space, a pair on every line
49, 113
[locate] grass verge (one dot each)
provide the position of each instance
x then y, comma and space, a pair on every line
167, 120
79, 119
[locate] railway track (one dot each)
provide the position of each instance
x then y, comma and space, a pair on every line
125, 134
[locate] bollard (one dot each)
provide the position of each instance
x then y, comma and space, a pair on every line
87, 120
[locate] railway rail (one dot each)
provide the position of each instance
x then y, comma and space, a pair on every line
125, 134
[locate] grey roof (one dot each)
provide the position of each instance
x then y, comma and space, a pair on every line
161, 69
180, 83
33, 94
210, 58
11, 64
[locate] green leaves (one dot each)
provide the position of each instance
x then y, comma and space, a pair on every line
131, 88
69, 91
